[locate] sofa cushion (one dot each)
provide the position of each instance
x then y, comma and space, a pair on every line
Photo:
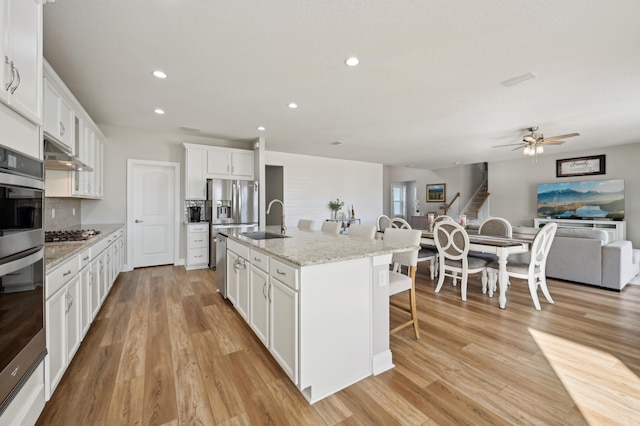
598, 234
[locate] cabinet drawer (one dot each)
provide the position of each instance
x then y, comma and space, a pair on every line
259, 260
239, 249
198, 228
198, 240
85, 258
199, 255
284, 273
61, 275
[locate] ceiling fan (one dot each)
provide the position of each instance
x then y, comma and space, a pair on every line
533, 143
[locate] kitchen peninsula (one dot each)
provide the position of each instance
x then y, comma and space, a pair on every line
318, 302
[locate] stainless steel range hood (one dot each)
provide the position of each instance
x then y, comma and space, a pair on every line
57, 157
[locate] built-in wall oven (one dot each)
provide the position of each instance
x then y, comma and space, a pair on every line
22, 334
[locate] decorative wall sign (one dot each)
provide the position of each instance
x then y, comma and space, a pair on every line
581, 166
437, 192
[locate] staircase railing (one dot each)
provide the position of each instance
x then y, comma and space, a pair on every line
455, 203
484, 209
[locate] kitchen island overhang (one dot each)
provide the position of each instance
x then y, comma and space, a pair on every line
337, 311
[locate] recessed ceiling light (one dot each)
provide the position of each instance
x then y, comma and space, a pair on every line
352, 61
519, 79
158, 111
261, 128
293, 105
160, 74
337, 143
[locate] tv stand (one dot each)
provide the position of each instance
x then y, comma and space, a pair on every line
617, 229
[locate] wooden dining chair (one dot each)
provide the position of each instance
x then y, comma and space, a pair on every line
404, 278
452, 242
534, 271
362, 231
306, 224
331, 227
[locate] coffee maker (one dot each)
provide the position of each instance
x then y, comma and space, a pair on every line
194, 213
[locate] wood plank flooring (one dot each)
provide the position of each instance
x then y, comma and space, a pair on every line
166, 349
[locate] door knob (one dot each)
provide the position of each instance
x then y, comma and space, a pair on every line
138, 221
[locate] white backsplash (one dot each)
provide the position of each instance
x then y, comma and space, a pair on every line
59, 213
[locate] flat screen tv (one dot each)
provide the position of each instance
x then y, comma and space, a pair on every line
595, 199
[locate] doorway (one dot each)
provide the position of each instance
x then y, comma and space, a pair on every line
274, 188
153, 212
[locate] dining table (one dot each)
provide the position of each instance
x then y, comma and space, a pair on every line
500, 246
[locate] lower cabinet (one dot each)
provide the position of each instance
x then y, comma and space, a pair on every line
283, 327
74, 293
197, 246
259, 303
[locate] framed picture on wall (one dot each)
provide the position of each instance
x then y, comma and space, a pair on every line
581, 166
437, 192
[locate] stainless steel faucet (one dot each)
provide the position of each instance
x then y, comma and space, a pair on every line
282, 228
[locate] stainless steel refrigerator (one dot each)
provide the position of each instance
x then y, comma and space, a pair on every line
230, 204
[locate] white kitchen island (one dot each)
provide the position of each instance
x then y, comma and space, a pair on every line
319, 303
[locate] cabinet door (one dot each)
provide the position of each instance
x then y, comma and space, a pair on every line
218, 162
283, 327
195, 180
66, 125
22, 59
97, 271
105, 274
232, 277
56, 359
86, 287
51, 111
259, 303
242, 165
243, 287
74, 309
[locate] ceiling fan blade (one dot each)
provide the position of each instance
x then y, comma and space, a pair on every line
570, 135
509, 144
552, 142
515, 149
529, 139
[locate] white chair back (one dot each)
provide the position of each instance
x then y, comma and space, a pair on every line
362, 231
331, 227
398, 222
451, 240
441, 218
306, 224
496, 227
541, 246
407, 236
383, 222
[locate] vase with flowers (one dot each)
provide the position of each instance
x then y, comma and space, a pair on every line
335, 206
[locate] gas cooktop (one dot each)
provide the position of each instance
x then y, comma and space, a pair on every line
69, 236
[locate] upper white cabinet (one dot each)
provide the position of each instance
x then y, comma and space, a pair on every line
229, 164
21, 55
195, 179
59, 118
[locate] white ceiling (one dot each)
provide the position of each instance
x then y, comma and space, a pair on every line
427, 92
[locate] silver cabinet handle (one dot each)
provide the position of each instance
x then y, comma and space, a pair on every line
138, 221
269, 292
255, 259
280, 272
17, 82
264, 286
66, 273
13, 76
85, 258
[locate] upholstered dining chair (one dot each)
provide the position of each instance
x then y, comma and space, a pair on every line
364, 232
331, 227
441, 217
306, 224
383, 222
495, 227
398, 222
534, 271
399, 281
452, 242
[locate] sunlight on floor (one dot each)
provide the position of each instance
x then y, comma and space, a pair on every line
603, 388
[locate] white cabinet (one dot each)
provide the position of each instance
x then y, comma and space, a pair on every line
197, 246
62, 309
21, 56
617, 230
59, 118
259, 302
97, 272
232, 277
238, 276
195, 179
230, 164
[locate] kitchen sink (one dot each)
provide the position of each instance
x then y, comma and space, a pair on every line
263, 235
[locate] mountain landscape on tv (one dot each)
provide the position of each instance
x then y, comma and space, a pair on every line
582, 200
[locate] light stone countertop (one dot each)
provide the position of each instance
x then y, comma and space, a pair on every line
316, 247
57, 253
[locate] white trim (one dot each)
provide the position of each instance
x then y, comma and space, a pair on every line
176, 232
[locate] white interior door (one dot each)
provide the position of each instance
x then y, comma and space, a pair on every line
153, 212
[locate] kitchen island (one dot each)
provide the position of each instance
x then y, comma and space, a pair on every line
318, 302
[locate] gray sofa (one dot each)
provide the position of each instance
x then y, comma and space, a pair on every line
586, 256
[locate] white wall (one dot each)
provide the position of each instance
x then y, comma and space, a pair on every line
513, 184
311, 182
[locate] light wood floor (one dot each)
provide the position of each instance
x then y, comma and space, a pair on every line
166, 349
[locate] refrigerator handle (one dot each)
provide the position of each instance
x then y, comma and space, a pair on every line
239, 201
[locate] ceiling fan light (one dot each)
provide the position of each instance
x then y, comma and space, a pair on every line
539, 149
528, 150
